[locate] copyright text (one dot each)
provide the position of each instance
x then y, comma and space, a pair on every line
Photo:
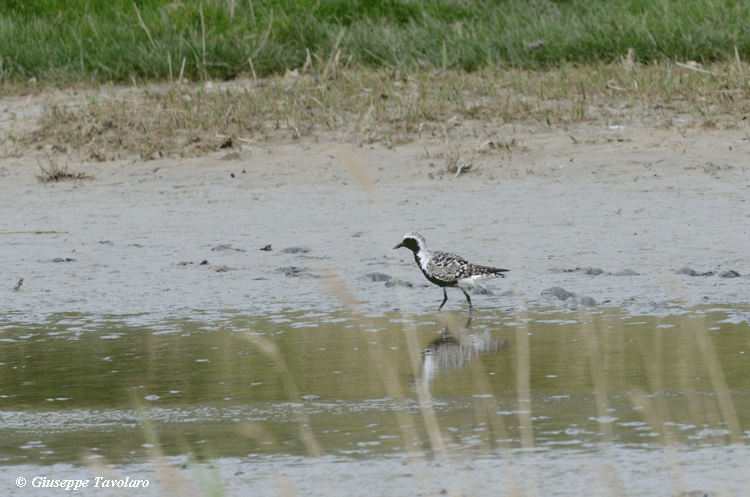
97, 482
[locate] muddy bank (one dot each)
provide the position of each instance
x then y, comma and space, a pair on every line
624, 215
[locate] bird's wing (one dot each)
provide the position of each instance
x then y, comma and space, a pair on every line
446, 267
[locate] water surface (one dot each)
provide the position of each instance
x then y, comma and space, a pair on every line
234, 385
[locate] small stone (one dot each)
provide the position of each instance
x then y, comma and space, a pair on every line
587, 302
686, 270
294, 250
226, 246
591, 271
558, 292
267, 248
729, 274
626, 272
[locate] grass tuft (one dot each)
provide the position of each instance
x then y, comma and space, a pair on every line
55, 171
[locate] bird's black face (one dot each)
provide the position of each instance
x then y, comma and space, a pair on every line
410, 243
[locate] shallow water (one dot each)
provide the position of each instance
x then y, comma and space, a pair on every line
76, 386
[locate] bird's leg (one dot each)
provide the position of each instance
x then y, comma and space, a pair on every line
471, 307
445, 299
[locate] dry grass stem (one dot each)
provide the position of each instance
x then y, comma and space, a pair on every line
143, 25
271, 350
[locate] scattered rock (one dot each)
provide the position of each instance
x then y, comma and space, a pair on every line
558, 292
294, 250
184, 263
294, 271
729, 274
204, 262
686, 270
226, 246
267, 248
63, 259
587, 301
591, 271
378, 277
626, 272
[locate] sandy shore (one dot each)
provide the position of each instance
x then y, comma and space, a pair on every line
634, 203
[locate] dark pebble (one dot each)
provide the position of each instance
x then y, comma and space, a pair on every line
729, 274
686, 270
591, 271
267, 248
62, 259
204, 262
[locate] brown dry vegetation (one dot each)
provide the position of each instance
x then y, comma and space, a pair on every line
367, 106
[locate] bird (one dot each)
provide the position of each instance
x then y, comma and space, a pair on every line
18, 285
444, 269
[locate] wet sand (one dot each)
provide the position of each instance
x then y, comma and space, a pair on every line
610, 213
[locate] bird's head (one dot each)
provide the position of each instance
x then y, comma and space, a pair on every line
413, 241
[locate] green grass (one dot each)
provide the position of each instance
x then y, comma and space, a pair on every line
62, 42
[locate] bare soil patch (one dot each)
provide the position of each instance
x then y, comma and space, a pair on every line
617, 176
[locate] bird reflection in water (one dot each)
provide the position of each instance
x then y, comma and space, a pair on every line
454, 350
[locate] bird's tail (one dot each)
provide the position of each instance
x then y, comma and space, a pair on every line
479, 272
